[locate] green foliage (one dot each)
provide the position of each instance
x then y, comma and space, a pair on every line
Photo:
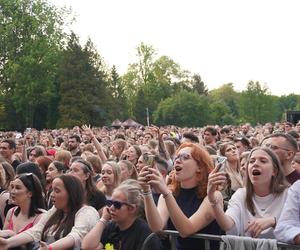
198, 85
256, 104
82, 86
118, 103
31, 40
183, 109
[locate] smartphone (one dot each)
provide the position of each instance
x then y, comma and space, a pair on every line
149, 159
220, 163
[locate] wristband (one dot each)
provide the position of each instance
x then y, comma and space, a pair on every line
147, 193
167, 194
103, 221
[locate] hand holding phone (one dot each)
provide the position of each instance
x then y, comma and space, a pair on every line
149, 159
220, 163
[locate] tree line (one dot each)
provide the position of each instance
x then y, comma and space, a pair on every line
49, 80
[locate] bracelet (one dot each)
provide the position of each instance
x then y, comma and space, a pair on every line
49, 247
214, 203
147, 193
103, 221
167, 194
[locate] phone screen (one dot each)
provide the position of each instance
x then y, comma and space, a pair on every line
220, 163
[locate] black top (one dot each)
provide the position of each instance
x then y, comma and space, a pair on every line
293, 177
97, 200
189, 203
130, 239
15, 164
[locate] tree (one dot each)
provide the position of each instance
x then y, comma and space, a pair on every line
118, 103
184, 109
82, 86
31, 40
227, 96
256, 104
198, 85
148, 81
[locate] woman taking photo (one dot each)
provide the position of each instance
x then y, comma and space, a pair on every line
26, 193
184, 207
63, 226
120, 226
253, 210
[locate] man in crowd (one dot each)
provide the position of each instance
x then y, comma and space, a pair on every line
7, 151
73, 145
285, 146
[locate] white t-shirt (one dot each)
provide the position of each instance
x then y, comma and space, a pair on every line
267, 206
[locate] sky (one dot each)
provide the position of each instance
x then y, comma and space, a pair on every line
225, 41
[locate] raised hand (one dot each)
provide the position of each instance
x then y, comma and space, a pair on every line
106, 214
215, 179
157, 181
87, 130
143, 180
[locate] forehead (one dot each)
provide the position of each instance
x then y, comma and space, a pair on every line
274, 140
76, 165
260, 153
118, 195
187, 150
17, 181
4, 144
58, 183
51, 165
107, 167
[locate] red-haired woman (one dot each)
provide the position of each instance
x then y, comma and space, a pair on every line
185, 207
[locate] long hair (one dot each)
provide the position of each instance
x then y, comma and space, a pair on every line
278, 182
90, 186
33, 184
205, 166
62, 223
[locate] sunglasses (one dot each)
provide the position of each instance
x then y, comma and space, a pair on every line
117, 204
183, 157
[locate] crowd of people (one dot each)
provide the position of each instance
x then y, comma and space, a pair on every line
110, 188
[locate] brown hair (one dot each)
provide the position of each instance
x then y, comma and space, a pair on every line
205, 164
278, 182
43, 162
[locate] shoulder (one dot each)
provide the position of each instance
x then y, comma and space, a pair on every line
87, 212
10, 212
296, 186
240, 193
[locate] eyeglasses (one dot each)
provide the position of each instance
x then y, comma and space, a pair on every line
116, 204
274, 147
183, 157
